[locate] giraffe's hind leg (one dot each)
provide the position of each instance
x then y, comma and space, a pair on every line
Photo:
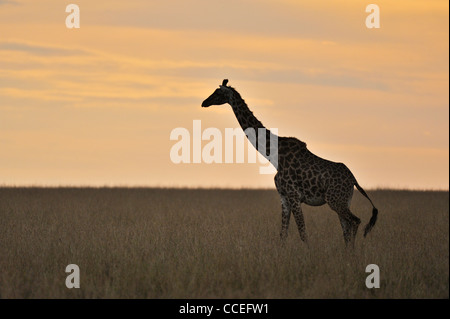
350, 224
340, 203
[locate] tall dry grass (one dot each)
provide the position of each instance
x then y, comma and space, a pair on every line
180, 243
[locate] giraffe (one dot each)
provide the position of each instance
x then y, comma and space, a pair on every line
302, 177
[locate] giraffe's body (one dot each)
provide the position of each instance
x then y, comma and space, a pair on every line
302, 177
307, 176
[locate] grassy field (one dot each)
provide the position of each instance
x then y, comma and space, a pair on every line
181, 243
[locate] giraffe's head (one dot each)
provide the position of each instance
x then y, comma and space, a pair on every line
220, 95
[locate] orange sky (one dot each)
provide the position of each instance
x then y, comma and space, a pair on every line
96, 105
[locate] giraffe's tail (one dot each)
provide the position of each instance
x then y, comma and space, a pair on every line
373, 219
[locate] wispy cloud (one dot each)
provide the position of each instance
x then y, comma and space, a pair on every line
39, 49
2, 2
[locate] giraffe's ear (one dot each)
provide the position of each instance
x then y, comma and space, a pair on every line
224, 83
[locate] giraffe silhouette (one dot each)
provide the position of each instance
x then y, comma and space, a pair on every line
301, 177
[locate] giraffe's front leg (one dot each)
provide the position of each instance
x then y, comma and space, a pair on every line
285, 217
299, 219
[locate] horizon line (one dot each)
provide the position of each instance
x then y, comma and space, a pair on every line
198, 187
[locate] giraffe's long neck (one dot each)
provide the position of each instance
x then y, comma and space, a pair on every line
252, 127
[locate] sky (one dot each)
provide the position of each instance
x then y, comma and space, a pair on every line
96, 105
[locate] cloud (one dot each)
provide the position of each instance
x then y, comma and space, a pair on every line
2, 2
38, 49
